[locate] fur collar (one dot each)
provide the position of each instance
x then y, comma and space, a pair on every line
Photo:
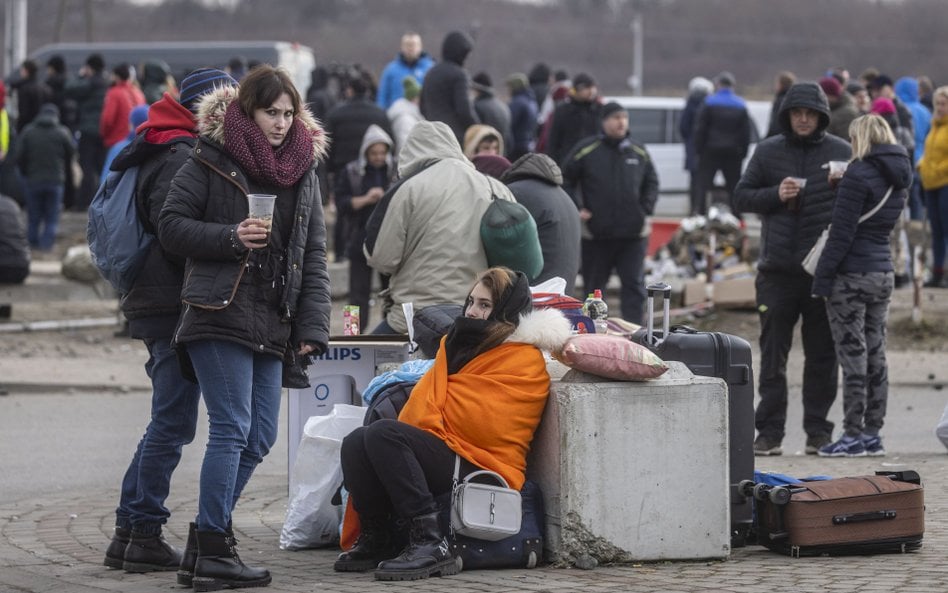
547, 329
210, 118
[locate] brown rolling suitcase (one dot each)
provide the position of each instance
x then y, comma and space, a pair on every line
884, 513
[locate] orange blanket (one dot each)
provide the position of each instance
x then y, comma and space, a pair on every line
487, 412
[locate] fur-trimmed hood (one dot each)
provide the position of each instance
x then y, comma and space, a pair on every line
210, 120
547, 329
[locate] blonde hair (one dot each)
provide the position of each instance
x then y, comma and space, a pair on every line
941, 91
867, 131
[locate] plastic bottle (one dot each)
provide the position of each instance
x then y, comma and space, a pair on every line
596, 309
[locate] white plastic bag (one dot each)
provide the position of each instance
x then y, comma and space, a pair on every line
311, 519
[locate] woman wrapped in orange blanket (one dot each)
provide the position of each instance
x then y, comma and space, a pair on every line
482, 400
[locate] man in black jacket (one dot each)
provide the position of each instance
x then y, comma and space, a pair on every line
576, 119
793, 216
613, 181
152, 307
445, 92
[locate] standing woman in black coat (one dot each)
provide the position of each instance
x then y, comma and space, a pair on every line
251, 297
855, 276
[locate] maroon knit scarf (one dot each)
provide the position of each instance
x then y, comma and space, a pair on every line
283, 166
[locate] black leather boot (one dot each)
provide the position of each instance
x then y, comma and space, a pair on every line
147, 552
189, 559
115, 553
219, 566
376, 543
427, 554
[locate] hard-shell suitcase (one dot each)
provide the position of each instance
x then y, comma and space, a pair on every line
728, 357
884, 513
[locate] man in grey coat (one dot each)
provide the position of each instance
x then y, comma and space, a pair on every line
786, 184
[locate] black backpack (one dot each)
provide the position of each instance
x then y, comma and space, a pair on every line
389, 402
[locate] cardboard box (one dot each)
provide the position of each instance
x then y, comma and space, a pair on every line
736, 293
340, 376
693, 292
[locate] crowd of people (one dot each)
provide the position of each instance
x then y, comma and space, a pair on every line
230, 306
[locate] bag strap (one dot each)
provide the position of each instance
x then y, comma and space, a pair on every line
872, 212
457, 469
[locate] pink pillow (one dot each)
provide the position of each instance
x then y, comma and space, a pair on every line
611, 356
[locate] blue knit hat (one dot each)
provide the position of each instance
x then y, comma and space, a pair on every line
200, 82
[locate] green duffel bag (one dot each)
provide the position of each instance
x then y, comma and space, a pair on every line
510, 238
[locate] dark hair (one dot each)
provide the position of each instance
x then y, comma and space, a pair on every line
30, 67
96, 62
561, 75
57, 63
263, 86
123, 71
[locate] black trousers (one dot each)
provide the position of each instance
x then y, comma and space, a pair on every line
91, 160
390, 467
782, 299
627, 257
709, 164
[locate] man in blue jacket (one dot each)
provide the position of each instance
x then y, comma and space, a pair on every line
722, 136
613, 181
412, 60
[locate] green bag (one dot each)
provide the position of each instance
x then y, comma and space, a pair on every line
510, 238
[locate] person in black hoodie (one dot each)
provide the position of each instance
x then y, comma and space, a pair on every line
152, 307
792, 217
577, 118
613, 181
536, 181
855, 276
445, 92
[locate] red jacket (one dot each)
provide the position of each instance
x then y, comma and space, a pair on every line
120, 99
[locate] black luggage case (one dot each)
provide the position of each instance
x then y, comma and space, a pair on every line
728, 357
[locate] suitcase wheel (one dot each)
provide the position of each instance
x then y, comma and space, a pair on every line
779, 495
532, 560
760, 491
746, 488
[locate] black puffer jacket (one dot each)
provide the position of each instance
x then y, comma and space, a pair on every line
853, 247
225, 299
346, 125
535, 180
572, 121
153, 304
445, 91
616, 181
787, 236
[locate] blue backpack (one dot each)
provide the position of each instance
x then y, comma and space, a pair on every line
117, 239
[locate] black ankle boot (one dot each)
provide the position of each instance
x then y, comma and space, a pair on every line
219, 566
147, 552
427, 554
115, 553
189, 558
376, 543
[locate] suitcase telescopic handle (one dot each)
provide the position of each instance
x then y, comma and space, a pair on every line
653, 290
862, 517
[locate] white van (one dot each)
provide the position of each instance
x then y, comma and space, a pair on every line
654, 122
185, 56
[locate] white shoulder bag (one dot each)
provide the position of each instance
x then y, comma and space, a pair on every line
813, 257
484, 511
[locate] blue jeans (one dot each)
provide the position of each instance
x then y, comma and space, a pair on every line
242, 391
174, 408
937, 201
43, 204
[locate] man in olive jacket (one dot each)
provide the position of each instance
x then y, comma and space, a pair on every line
792, 219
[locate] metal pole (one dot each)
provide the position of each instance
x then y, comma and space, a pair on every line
638, 44
14, 51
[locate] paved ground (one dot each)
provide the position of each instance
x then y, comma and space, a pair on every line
73, 404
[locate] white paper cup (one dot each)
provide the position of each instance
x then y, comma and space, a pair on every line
260, 206
837, 168
800, 181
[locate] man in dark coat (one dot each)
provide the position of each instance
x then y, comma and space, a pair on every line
722, 138
536, 181
445, 93
346, 124
523, 116
152, 307
792, 219
576, 119
613, 181
489, 109
88, 91
31, 93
